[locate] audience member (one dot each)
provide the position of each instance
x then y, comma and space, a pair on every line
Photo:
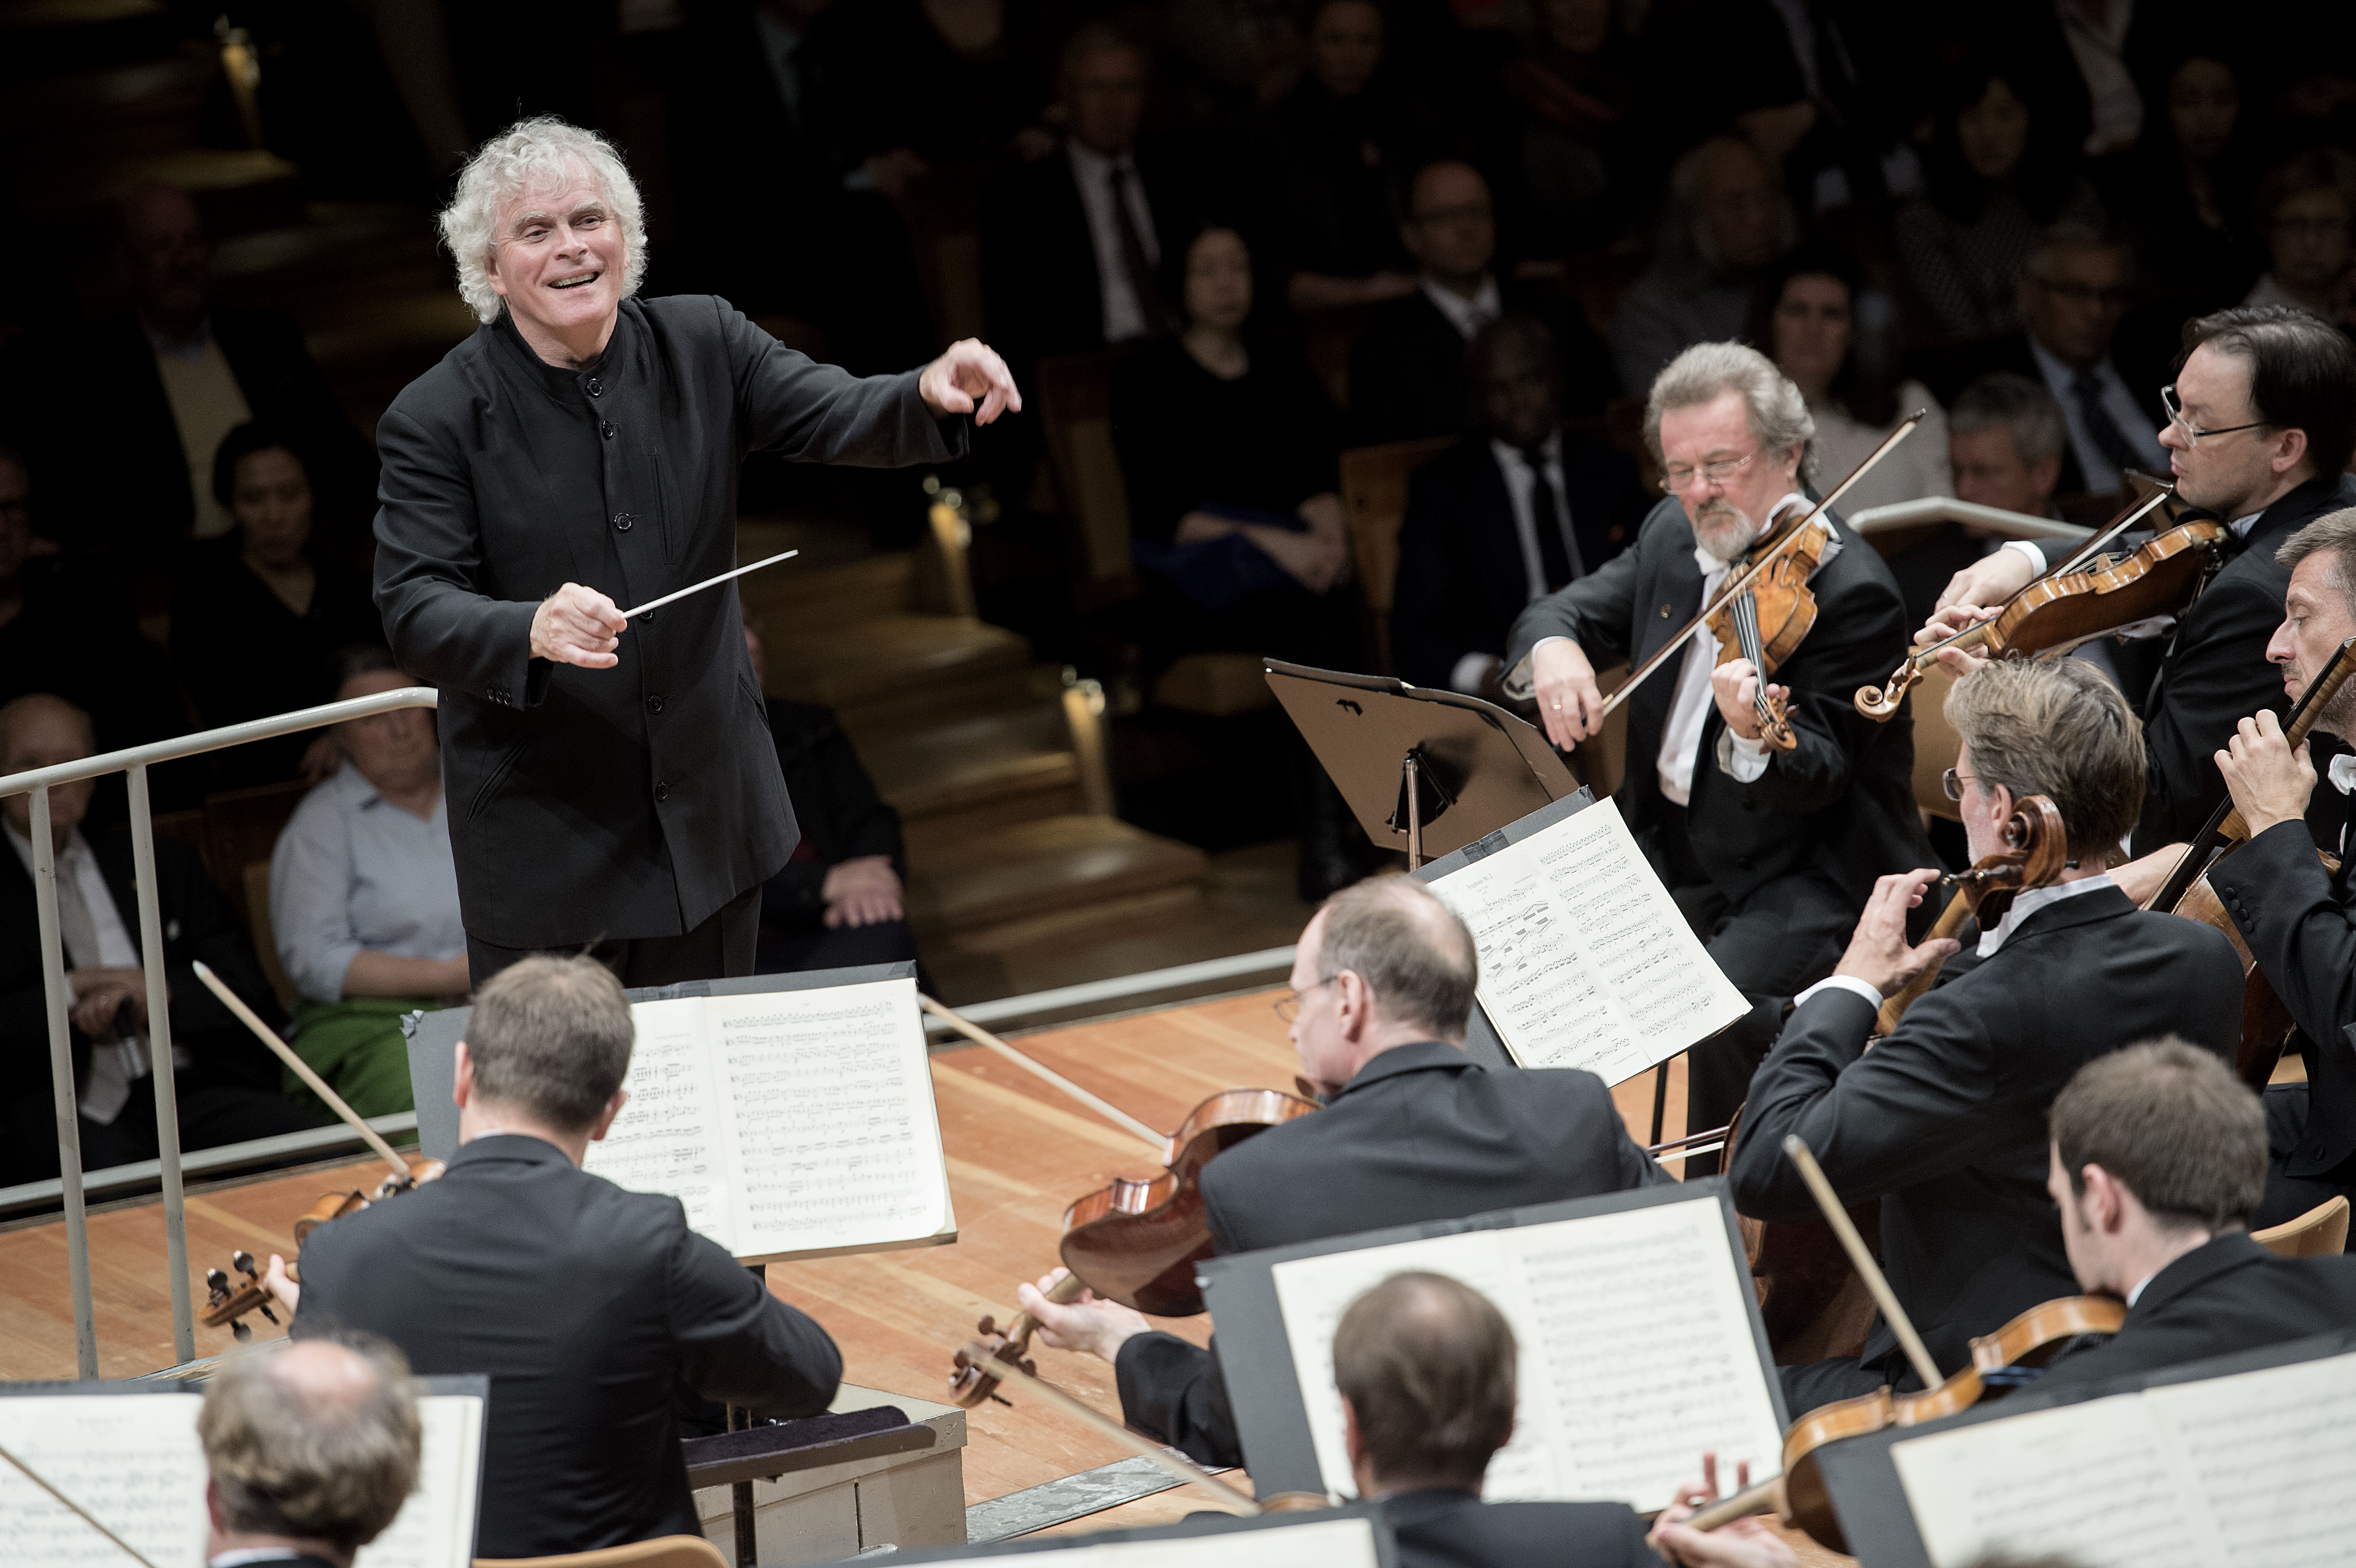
1835, 338
2005, 438
2073, 296
1514, 512
225, 1079
628, 1310
1997, 174
1727, 222
1407, 370
1576, 95
310, 1452
1339, 144
1425, 1366
2186, 193
841, 899
260, 613
2304, 211
364, 897
179, 374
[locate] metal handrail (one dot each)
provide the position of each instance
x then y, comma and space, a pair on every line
136, 761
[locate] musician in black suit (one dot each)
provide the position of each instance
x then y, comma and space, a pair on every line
1516, 512
1944, 1120
309, 1453
1413, 1130
2266, 422
580, 453
2158, 1160
1769, 853
2298, 918
591, 1308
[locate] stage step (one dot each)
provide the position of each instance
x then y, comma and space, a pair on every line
1035, 880
895, 673
951, 782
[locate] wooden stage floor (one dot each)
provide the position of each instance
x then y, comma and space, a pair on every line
1018, 1152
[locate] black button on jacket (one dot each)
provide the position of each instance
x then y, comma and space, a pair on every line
501, 476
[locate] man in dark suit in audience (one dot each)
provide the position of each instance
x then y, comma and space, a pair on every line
1408, 371
2158, 1160
613, 1309
2006, 439
1944, 1119
1412, 1130
226, 1083
1516, 512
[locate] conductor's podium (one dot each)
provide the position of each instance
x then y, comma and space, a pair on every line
863, 1484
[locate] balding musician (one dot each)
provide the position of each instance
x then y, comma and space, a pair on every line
1413, 1130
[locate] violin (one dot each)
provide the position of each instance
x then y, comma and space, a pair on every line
228, 1298
1764, 620
2036, 851
2267, 1023
2091, 594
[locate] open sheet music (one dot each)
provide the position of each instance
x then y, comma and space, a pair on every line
789, 1123
133, 1462
1585, 961
1637, 1349
2230, 1472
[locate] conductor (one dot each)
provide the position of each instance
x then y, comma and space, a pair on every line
610, 781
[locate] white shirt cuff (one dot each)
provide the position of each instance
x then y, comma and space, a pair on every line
2030, 548
1470, 672
1848, 983
1521, 681
1740, 760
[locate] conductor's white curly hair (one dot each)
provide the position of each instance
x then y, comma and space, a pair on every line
541, 154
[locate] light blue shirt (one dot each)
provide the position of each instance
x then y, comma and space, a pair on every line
354, 872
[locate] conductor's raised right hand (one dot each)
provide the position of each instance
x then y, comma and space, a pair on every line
577, 625
1568, 700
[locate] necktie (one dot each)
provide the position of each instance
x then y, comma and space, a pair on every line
1134, 260
2101, 429
1546, 517
109, 1086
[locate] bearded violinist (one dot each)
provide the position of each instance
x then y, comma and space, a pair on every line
2298, 919
1412, 1130
1944, 1119
1770, 854
2261, 421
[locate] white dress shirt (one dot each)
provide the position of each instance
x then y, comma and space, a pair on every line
1467, 317
2135, 420
2110, 86
1521, 480
113, 1068
1124, 314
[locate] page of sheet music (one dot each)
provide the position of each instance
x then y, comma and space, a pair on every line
666, 1138
1619, 1388
2269, 1452
2097, 1483
436, 1528
131, 1460
1327, 1543
1585, 961
833, 1140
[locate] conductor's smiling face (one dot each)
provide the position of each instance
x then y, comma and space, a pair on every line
558, 256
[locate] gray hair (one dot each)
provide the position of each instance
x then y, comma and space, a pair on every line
298, 1446
2332, 535
2017, 404
528, 155
553, 1036
1415, 953
1779, 415
1684, 227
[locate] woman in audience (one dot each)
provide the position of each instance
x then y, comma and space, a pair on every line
2187, 191
1836, 340
259, 614
1997, 174
1574, 85
364, 898
2304, 211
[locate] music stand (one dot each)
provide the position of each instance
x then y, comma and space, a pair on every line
1427, 771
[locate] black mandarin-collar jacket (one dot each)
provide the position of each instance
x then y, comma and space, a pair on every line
635, 801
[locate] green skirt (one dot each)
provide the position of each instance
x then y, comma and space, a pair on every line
357, 1046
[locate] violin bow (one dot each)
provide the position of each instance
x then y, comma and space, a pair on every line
1922, 656
1185, 1470
1661, 655
302, 1069
1110, 1112
75, 1509
2219, 829
1797, 1150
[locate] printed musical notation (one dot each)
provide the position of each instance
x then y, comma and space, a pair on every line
1636, 1349
785, 1121
1585, 960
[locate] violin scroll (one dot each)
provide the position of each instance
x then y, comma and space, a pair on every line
970, 1383
227, 1301
1879, 703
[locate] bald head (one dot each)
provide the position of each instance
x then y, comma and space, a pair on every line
314, 1446
1413, 953
42, 731
1426, 1364
165, 261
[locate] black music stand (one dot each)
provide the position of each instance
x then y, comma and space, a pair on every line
1427, 771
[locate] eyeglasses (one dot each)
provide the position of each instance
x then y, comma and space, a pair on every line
1287, 1006
2193, 433
1952, 783
1677, 476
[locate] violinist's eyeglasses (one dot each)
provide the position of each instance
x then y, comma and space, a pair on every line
1287, 1006
2193, 433
1952, 783
1677, 476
